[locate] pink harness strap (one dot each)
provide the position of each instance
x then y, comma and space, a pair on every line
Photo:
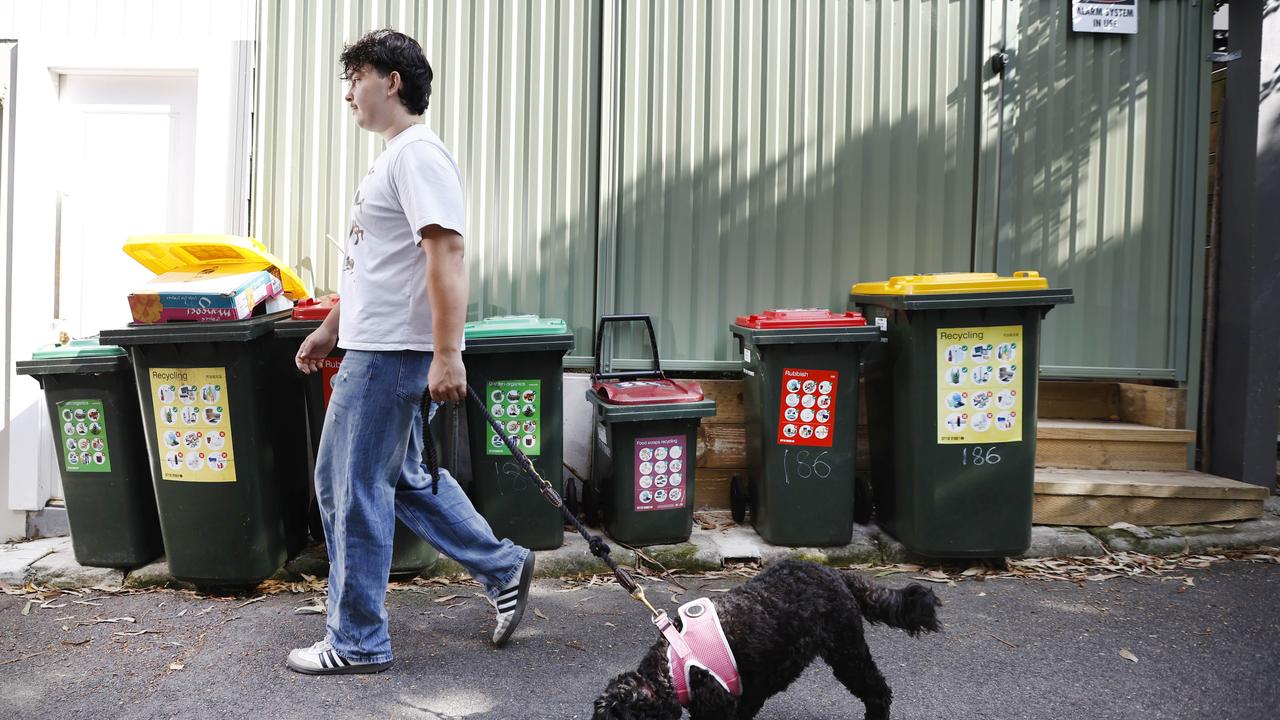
701, 644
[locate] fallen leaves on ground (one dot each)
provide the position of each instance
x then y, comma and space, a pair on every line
1080, 569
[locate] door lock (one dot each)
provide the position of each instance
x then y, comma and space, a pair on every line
999, 62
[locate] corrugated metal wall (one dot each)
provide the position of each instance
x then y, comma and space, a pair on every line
1102, 182
769, 154
515, 97
697, 160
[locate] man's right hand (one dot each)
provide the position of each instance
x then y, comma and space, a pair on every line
315, 349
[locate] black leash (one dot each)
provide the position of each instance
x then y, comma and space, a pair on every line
598, 546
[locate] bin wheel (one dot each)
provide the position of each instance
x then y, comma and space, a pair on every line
862, 500
737, 500
590, 504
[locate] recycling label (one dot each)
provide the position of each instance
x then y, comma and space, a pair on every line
193, 424
979, 397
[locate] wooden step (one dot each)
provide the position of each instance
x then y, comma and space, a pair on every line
1087, 444
1079, 400
1059, 443
1097, 498
1154, 405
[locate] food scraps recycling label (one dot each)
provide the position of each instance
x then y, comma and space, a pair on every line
193, 424
979, 398
661, 473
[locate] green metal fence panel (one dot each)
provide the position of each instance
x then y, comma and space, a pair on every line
698, 160
770, 154
515, 98
1101, 182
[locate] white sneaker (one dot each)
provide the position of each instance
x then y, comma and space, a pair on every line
322, 659
511, 602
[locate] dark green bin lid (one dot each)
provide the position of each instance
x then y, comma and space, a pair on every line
87, 355
195, 332
1021, 298
518, 333
291, 328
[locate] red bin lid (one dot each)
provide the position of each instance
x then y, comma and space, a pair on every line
315, 309
648, 391
800, 318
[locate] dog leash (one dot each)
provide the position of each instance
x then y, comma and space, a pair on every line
598, 546
721, 665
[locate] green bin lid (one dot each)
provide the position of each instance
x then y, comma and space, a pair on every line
81, 357
518, 333
507, 325
77, 349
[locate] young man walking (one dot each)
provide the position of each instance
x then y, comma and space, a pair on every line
404, 302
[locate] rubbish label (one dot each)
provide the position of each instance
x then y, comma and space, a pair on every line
808, 412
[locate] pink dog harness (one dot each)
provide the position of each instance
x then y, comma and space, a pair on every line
701, 644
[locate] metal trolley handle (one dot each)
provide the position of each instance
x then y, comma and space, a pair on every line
655, 372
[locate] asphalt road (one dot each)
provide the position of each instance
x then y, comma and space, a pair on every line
1012, 649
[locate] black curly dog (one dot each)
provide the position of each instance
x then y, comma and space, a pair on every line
777, 623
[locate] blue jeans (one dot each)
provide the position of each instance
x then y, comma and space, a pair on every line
368, 473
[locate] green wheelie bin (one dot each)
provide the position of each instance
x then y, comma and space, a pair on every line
221, 407
951, 405
410, 554
800, 394
102, 454
515, 364
644, 448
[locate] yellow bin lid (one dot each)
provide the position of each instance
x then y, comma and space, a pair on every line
952, 283
164, 253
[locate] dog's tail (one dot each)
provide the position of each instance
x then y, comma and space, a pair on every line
913, 608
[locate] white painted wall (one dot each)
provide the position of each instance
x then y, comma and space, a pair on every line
212, 40
577, 422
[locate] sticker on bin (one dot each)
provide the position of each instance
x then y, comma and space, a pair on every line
84, 436
808, 412
980, 385
661, 481
193, 424
517, 404
328, 371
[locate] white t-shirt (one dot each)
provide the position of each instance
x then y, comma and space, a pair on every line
412, 184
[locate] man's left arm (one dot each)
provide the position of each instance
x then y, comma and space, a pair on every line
447, 289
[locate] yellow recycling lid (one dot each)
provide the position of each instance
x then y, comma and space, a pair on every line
953, 284
165, 253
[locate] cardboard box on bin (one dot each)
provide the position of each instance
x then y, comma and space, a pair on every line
209, 277
216, 292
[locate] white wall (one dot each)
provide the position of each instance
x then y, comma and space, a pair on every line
211, 40
577, 422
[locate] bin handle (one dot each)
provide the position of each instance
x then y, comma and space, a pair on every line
655, 372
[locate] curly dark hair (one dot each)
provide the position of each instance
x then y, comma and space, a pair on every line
388, 51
